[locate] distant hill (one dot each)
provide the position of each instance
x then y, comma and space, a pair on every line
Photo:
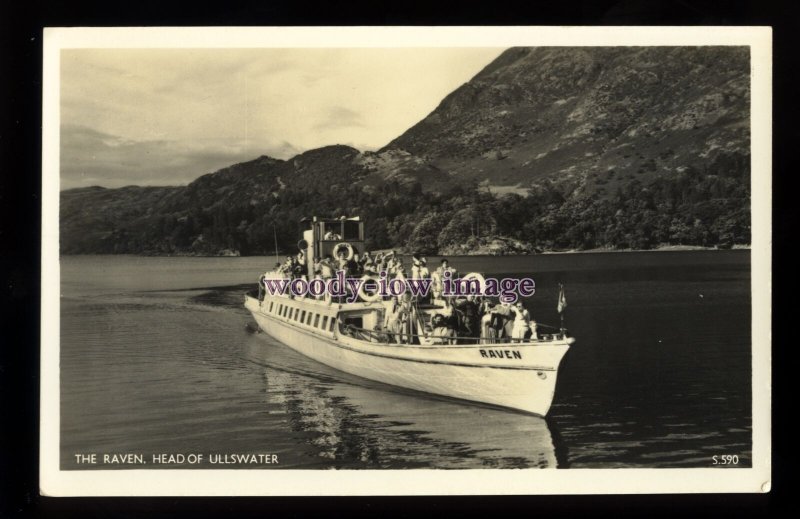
546, 148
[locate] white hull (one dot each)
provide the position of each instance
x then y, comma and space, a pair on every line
517, 376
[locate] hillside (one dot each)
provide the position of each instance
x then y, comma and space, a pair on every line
594, 116
593, 147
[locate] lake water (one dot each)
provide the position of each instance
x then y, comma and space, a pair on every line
158, 355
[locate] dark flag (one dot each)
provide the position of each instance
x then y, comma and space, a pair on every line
562, 299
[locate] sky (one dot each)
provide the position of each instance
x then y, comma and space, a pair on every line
168, 116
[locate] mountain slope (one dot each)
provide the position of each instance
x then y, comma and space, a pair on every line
580, 113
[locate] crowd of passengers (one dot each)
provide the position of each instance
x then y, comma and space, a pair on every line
455, 320
356, 266
460, 320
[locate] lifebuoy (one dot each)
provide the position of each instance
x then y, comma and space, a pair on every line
350, 251
368, 298
479, 277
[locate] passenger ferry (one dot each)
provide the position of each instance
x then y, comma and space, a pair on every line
349, 336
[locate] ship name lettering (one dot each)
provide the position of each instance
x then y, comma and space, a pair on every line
501, 354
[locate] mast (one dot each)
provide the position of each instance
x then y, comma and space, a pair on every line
275, 236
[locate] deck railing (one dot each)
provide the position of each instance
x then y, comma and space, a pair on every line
386, 336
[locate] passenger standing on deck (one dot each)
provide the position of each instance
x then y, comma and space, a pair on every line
288, 267
436, 285
366, 258
395, 320
385, 262
488, 332
461, 321
408, 326
416, 264
369, 267
504, 321
326, 267
424, 273
499, 322
300, 267
354, 266
522, 323
341, 262
391, 265
471, 322
318, 275
439, 277
442, 333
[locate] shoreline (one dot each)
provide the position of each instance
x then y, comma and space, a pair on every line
669, 248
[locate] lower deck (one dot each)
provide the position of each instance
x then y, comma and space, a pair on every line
390, 322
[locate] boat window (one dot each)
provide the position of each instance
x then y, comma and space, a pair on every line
271, 303
324, 322
316, 320
308, 318
351, 231
302, 316
331, 227
280, 309
296, 313
330, 325
358, 322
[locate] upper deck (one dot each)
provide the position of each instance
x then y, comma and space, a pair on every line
325, 234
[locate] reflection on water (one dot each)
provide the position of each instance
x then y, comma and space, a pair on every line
355, 421
155, 359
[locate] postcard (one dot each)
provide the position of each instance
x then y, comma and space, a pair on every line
406, 261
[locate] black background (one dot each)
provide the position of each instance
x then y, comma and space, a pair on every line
21, 23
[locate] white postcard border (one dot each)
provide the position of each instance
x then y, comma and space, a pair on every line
249, 482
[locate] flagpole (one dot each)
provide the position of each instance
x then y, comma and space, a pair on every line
562, 305
275, 236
